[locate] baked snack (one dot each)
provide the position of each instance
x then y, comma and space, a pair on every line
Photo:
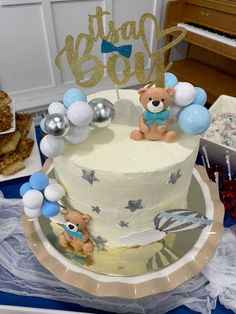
23, 123
15, 146
4, 98
124, 184
5, 118
9, 142
13, 167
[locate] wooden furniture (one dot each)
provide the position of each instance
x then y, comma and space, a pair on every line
211, 33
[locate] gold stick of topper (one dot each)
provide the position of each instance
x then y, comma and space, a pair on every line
117, 92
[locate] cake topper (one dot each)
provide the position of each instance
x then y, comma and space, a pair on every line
71, 123
87, 75
153, 123
186, 106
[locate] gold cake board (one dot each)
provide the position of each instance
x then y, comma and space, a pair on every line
133, 273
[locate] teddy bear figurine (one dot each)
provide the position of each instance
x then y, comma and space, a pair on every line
153, 124
75, 237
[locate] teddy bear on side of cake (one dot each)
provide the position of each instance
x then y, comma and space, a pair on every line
153, 124
76, 236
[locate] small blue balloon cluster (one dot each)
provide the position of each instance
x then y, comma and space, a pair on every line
40, 197
189, 101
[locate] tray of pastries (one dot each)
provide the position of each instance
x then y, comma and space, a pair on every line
19, 154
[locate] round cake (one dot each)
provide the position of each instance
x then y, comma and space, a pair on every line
124, 184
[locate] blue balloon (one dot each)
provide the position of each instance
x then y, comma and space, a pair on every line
50, 209
170, 80
42, 125
201, 96
24, 188
72, 95
194, 119
39, 181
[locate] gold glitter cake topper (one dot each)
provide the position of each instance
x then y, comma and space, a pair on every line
127, 31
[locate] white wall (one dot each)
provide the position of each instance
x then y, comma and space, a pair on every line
32, 32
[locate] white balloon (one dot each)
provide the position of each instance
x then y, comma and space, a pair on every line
184, 94
54, 192
77, 135
52, 180
51, 146
174, 111
32, 199
32, 212
56, 107
80, 113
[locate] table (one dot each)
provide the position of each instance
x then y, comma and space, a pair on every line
10, 189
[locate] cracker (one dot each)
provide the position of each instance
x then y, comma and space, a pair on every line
25, 147
4, 98
5, 118
13, 167
10, 142
23, 123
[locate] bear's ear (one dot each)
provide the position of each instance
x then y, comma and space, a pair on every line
64, 212
170, 91
86, 218
142, 90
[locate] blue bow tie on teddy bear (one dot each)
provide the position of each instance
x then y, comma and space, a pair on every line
78, 234
157, 117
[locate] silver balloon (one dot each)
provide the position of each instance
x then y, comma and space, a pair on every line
57, 124
103, 112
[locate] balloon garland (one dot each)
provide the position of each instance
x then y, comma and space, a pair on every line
40, 196
188, 106
69, 121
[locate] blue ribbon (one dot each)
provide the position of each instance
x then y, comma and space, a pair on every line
157, 117
77, 234
124, 50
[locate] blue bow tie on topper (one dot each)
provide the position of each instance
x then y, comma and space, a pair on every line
124, 50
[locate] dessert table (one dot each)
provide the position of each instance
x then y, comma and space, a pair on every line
10, 189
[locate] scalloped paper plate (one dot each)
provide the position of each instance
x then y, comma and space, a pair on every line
191, 251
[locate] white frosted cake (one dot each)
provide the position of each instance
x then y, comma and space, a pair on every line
123, 184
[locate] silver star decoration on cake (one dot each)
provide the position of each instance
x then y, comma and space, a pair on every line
123, 223
89, 175
174, 176
96, 209
100, 242
133, 205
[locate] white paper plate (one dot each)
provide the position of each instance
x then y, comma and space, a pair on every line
13, 122
32, 164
